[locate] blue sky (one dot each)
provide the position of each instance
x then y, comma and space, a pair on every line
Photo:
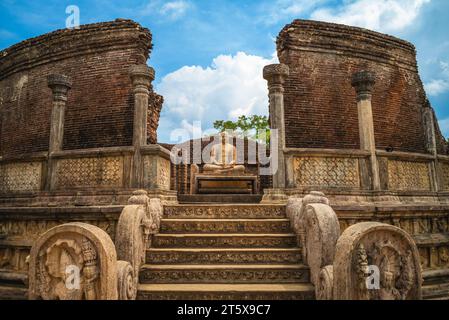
209, 54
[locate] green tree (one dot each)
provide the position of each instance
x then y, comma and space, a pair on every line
253, 127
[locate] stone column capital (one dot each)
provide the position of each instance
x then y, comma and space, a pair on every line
141, 76
276, 74
363, 82
60, 85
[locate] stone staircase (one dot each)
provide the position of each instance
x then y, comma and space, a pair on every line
224, 251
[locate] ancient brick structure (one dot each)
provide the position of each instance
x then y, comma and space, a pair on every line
84, 182
319, 99
97, 58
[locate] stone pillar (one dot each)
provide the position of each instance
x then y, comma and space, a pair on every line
431, 143
276, 74
60, 86
363, 83
141, 76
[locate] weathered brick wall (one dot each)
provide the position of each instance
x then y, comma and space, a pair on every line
99, 110
320, 103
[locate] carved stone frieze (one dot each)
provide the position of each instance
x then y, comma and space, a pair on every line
224, 212
224, 276
434, 257
224, 242
30, 230
230, 226
14, 258
223, 257
175, 295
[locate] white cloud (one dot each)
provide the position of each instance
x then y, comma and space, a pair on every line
380, 15
231, 86
175, 9
436, 87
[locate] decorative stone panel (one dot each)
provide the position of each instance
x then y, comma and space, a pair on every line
20, 177
326, 172
89, 172
444, 175
31, 230
408, 176
156, 172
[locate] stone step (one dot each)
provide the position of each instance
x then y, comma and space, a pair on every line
204, 291
436, 291
224, 274
225, 226
220, 211
283, 240
223, 256
219, 198
13, 292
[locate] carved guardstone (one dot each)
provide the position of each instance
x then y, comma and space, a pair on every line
64, 250
390, 249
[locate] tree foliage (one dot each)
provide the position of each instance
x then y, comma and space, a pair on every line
254, 127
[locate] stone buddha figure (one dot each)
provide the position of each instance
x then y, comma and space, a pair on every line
223, 158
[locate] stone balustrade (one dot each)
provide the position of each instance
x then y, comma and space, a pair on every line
100, 168
367, 261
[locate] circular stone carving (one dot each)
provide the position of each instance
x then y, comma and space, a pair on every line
324, 287
127, 289
73, 261
388, 248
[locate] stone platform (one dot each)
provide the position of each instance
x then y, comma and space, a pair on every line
225, 184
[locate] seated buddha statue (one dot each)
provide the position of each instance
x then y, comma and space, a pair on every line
223, 157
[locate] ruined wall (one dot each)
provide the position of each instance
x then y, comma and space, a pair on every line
99, 110
320, 103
